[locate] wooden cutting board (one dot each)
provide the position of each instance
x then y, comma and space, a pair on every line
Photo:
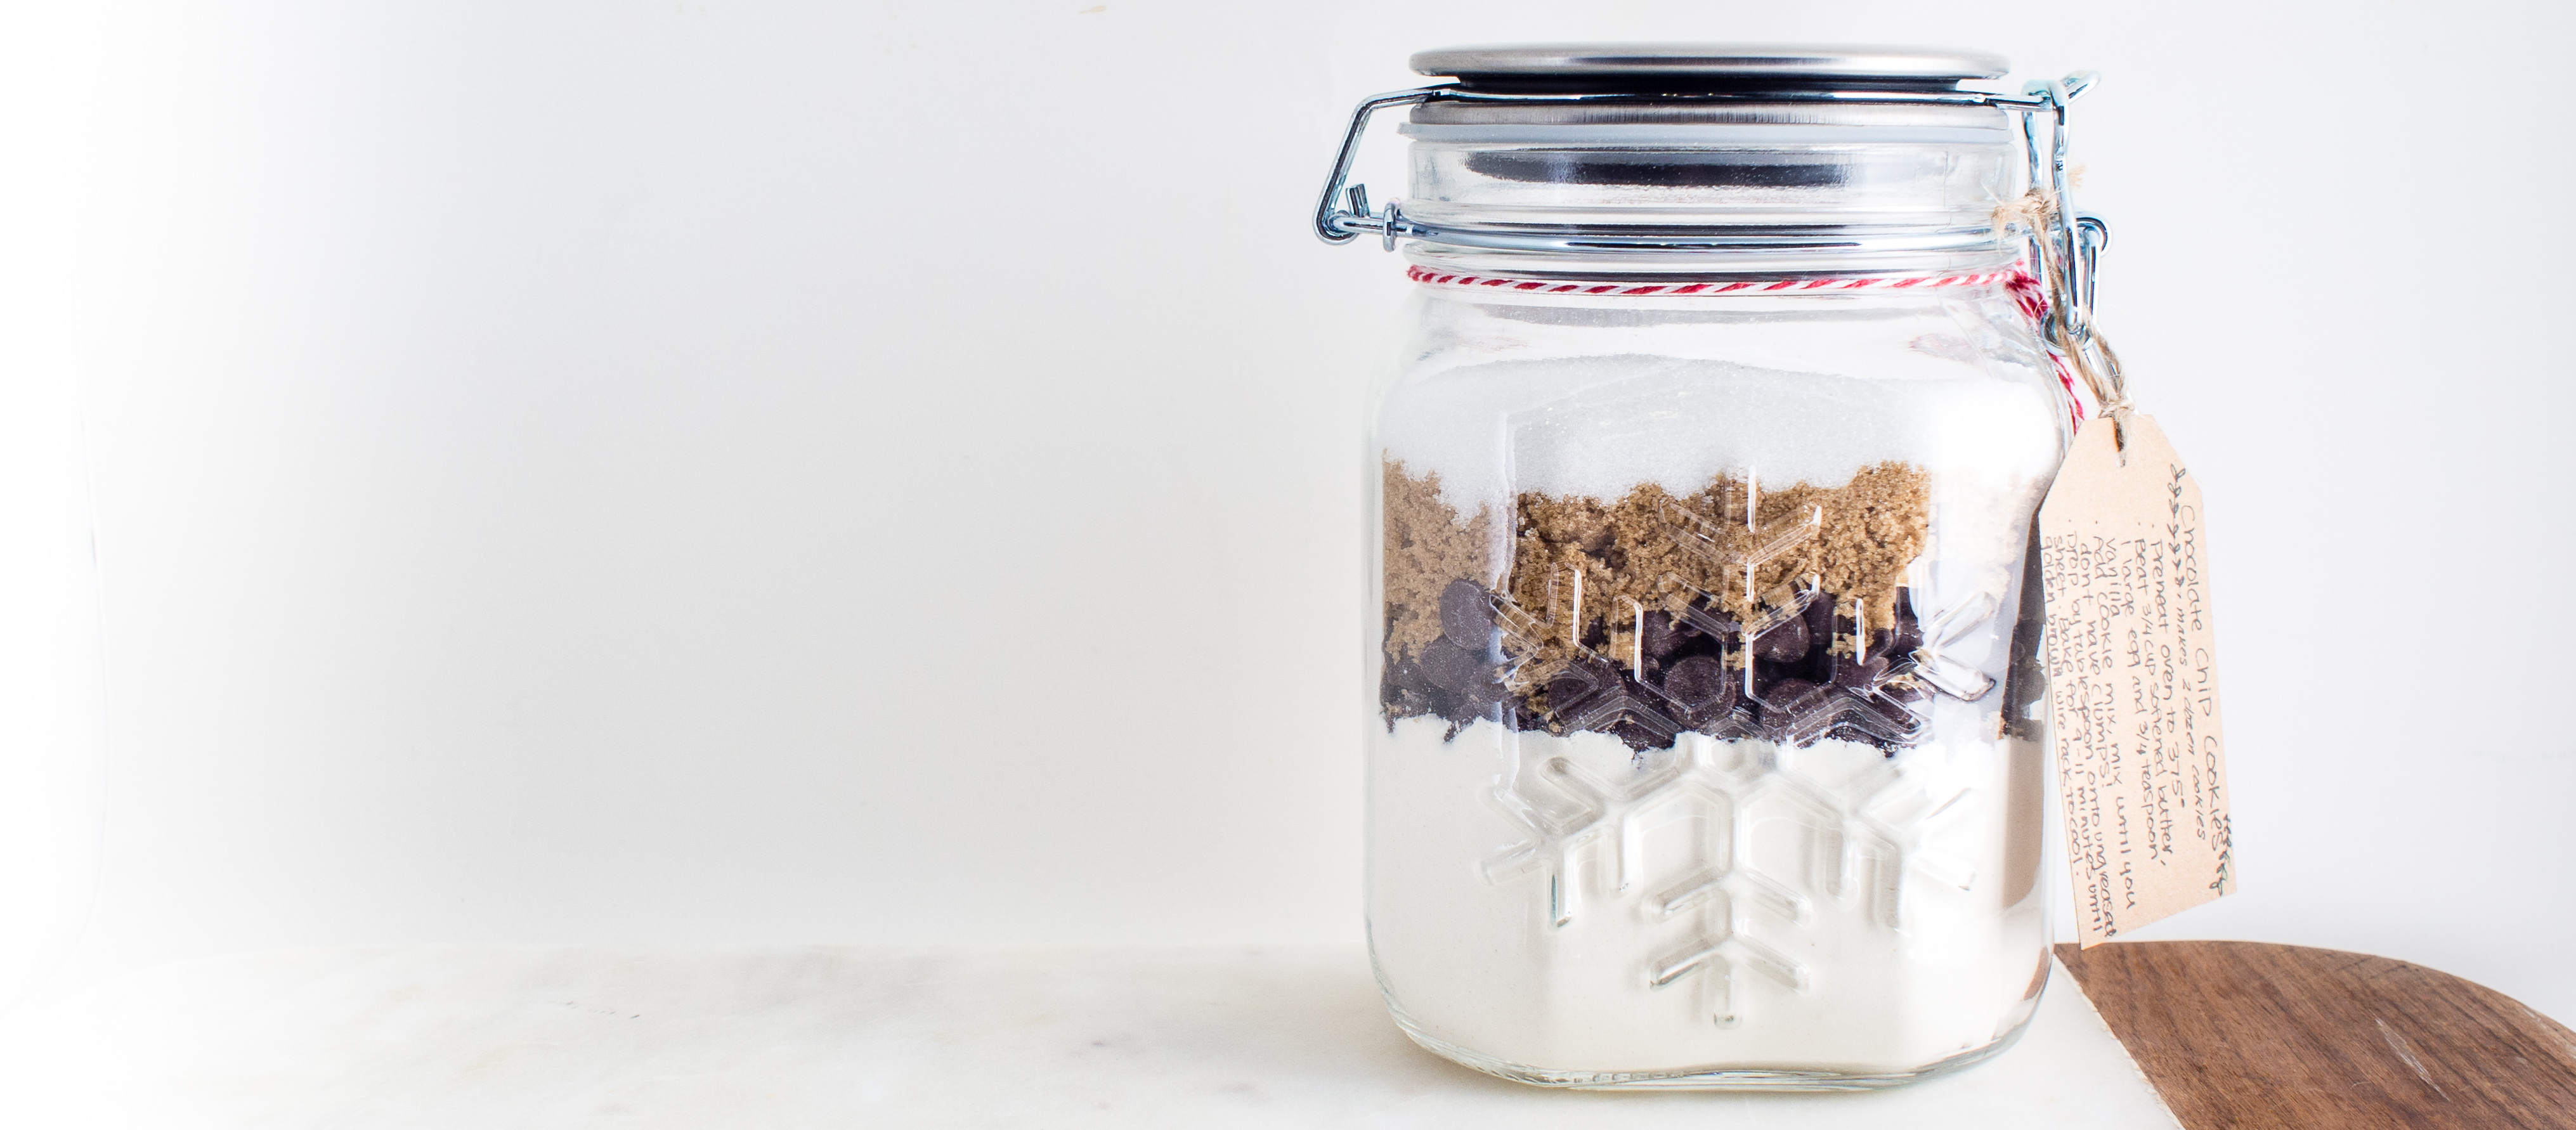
2249, 1034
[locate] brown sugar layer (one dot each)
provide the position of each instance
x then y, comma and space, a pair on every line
1642, 615
1427, 546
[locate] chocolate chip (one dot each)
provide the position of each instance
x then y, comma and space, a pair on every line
1859, 676
1464, 708
1403, 679
1820, 617
1566, 692
1788, 694
1466, 618
1452, 668
1784, 643
1578, 685
1907, 635
1664, 635
1699, 682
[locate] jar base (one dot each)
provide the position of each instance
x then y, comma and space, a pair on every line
1712, 1078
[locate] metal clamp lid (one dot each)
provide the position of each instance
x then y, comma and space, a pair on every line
2064, 243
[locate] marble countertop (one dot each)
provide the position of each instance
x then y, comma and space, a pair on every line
489, 1036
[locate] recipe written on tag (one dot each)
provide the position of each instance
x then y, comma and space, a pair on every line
2133, 684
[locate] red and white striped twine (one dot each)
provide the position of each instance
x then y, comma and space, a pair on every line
2026, 291
1757, 286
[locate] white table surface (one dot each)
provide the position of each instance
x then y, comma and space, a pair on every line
458, 1036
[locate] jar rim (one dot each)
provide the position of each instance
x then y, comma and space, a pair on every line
1684, 67
1696, 120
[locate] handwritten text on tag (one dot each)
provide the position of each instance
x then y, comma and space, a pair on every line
2142, 773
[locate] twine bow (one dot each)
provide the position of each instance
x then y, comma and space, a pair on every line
2088, 352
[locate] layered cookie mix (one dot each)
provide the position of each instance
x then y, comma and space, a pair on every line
1743, 609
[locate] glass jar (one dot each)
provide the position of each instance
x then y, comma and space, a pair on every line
1704, 745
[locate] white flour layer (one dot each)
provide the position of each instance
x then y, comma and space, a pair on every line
1864, 915
1600, 426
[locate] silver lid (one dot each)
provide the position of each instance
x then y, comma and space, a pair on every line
1644, 158
1730, 63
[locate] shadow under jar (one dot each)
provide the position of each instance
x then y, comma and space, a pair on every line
1705, 746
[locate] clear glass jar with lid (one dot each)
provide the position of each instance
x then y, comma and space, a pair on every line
1705, 728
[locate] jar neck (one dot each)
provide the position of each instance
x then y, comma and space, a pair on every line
1710, 190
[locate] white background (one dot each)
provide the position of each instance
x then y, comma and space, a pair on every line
743, 473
